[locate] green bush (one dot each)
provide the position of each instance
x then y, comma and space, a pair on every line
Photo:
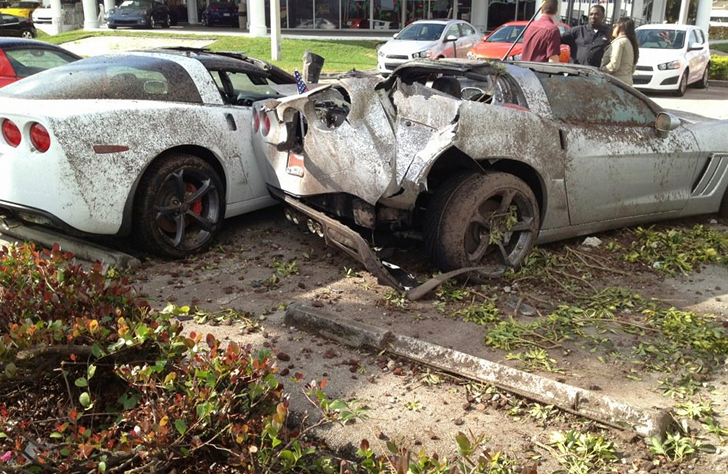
719, 67
718, 32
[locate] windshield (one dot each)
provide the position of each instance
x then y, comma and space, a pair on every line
422, 32
506, 34
136, 4
104, 77
661, 39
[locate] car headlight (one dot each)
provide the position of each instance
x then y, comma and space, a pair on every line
671, 65
471, 55
515, 57
421, 54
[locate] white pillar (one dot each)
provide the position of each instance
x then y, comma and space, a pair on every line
90, 15
479, 15
192, 12
684, 7
108, 6
658, 11
256, 14
275, 30
56, 17
702, 20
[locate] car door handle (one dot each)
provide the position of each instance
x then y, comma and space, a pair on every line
231, 122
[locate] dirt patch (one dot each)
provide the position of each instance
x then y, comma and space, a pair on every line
261, 265
113, 44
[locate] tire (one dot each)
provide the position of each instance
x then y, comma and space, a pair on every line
468, 211
27, 34
112, 27
178, 207
152, 23
167, 22
682, 85
703, 82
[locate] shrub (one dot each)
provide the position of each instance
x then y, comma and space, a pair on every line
719, 67
718, 32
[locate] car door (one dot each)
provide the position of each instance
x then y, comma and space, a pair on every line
239, 89
697, 54
617, 165
468, 38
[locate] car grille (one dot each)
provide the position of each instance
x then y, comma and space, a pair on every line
398, 56
644, 68
641, 80
392, 66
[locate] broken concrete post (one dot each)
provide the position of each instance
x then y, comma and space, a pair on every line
312, 65
586, 403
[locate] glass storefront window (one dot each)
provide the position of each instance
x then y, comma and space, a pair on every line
355, 14
387, 15
327, 14
300, 14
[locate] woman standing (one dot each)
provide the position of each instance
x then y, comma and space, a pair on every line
621, 55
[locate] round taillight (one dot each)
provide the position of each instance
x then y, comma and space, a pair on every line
256, 121
11, 133
265, 127
40, 138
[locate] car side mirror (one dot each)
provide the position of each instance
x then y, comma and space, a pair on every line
395, 35
666, 122
695, 47
450, 38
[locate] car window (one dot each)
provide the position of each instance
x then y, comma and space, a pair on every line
694, 37
661, 39
453, 31
600, 102
422, 32
27, 62
103, 77
467, 29
238, 88
506, 34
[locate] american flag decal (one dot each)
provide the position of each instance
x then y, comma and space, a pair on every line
302, 87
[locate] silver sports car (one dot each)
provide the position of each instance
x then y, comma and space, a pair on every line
485, 159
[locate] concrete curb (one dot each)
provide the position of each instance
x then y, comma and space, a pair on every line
717, 83
81, 249
645, 422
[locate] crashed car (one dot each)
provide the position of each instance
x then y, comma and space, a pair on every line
483, 160
155, 144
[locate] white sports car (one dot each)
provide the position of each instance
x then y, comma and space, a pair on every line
153, 144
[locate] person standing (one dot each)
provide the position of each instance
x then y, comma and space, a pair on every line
620, 57
542, 40
588, 42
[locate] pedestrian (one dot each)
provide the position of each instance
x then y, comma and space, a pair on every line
620, 57
542, 40
588, 42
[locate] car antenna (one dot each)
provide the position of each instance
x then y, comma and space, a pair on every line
522, 32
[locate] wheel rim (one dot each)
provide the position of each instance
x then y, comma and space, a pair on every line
27, 34
187, 209
500, 232
684, 83
151, 22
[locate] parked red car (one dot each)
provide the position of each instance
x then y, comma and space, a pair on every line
20, 58
496, 44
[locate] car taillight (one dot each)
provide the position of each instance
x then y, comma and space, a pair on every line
40, 138
256, 121
11, 133
265, 126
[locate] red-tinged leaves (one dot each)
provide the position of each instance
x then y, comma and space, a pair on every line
322, 384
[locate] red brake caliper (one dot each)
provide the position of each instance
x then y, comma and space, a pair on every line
196, 206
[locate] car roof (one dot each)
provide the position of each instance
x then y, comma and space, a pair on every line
665, 26
435, 21
226, 59
18, 43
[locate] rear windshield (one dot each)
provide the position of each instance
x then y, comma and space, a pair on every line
115, 78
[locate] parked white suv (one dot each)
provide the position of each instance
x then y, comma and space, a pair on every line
671, 58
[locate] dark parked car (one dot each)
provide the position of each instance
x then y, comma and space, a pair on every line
11, 25
21, 58
220, 13
139, 14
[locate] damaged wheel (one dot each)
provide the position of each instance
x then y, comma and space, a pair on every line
482, 220
179, 206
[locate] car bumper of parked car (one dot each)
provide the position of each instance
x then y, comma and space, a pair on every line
657, 80
388, 65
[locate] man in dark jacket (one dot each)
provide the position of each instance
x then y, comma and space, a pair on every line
587, 42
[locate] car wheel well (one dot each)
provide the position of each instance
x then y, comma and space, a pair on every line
197, 151
455, 161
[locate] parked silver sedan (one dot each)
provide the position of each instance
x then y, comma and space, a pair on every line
485, 161
429, 39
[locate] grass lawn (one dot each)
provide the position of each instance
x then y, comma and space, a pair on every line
340, 55
723, 47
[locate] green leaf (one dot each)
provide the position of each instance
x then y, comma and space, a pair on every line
3, 435
10, 370
90, 371
56, 434
102, 467
180, 425
463, 442
81, 382
271, 380
96, 351
85, 400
